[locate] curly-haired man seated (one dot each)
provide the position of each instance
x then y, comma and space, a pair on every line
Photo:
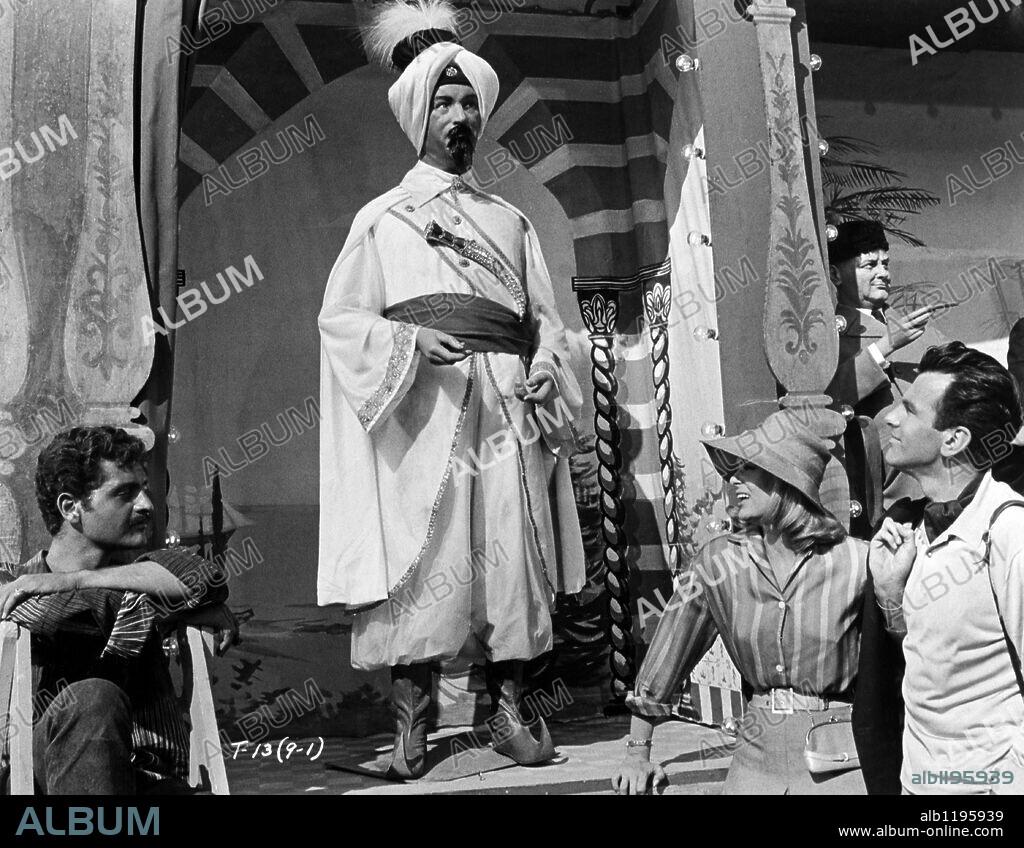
107, 720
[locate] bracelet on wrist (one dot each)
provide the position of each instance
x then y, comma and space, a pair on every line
638, 743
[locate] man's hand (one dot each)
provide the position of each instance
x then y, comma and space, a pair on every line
539, 388
28, 585
636, 776
440, 348
891, 557
218, 618
908, 328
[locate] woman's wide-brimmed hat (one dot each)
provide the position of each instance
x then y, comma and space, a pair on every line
784, 446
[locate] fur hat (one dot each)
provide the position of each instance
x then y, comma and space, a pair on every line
855, 238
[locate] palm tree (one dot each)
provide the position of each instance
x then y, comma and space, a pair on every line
858, 188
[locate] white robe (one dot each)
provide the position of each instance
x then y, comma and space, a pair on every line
410, 486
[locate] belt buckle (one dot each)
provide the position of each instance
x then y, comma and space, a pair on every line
782, 701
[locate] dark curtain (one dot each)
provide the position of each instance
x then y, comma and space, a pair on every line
162, 78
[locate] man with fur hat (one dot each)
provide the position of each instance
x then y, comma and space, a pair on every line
865, 378
859, 269
447, 520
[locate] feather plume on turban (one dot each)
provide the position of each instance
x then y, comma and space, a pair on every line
418, 40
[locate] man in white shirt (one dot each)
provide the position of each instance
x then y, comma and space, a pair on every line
954, 583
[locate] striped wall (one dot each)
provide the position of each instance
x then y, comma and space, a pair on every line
601, 80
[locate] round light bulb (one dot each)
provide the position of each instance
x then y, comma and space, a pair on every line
704, 334
831, 232
855, 509
815, 62
822, 147
847, 411
841, 324
173, 436
711, 430
691, 152
695, 239
172, 540
686, 63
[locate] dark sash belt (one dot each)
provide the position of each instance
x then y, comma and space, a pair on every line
481, 324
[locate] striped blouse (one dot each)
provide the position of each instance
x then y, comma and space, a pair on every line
800, 632
112, 634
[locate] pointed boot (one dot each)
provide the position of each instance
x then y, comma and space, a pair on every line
526, 743
410, 700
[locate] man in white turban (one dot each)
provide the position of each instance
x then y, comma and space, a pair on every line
447, 518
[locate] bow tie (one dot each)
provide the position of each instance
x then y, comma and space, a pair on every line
940, 515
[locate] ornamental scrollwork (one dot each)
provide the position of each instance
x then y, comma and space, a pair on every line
599, 314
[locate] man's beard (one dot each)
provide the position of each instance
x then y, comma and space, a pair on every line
460, 145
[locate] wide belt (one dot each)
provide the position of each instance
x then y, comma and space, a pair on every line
481, 324
787, 702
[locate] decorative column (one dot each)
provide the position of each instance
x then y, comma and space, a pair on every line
14, 327
73, 290
107, 352
599, 308
657, 297
800, 338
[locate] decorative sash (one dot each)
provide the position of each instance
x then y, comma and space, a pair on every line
481, 324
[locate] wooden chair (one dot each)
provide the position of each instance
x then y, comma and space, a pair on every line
204, 742
16, 706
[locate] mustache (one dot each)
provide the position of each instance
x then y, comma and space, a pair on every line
461, 129
460, 135
461, 143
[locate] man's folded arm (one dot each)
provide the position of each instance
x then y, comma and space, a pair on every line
145, 578
175, 579
187, 580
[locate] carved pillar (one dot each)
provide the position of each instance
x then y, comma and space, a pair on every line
14, 338
600, 312
800, 338
657, 296
72, 280
107, 352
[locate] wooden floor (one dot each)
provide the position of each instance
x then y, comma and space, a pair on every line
588, 752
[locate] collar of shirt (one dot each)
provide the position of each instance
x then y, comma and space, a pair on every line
875, 314
756, 549
36, 565
972, 524
860, 322
425, 182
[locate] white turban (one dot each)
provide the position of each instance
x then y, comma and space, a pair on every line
412, 95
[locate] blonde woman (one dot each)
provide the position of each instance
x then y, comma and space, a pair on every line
784, 593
